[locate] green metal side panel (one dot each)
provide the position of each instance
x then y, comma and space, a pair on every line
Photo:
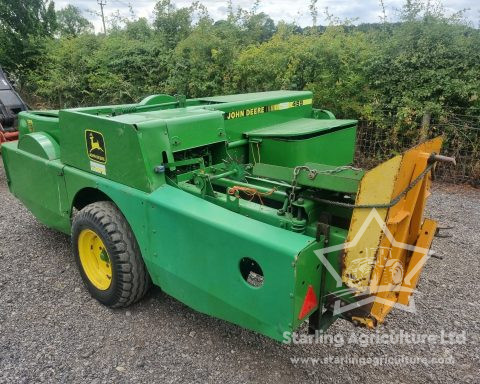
346, 181
197, 128
186, 127
40, 121
41, 189
125, 162
301, 127
200, 246
192, 249
308, 272
154, 143
333, 148
247, 112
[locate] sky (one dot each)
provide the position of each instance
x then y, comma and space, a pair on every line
364, 11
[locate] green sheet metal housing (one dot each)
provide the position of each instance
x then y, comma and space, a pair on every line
162, 165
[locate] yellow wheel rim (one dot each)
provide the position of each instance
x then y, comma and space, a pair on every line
95, 259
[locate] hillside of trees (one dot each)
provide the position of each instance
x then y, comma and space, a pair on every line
424, 63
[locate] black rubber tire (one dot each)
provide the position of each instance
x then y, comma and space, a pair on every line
130, 279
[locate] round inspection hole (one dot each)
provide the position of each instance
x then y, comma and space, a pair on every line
251, 272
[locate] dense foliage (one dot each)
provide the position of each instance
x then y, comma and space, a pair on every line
426, 63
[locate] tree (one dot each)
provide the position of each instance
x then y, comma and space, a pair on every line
429, 62
71, 22
23, 27
29, 17
171, 23
259, 27
201, 63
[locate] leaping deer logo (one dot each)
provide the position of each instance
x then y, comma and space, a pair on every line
94, 144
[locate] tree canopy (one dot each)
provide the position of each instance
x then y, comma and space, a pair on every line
71, 22
424, 62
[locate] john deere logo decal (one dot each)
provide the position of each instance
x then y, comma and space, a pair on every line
96, 146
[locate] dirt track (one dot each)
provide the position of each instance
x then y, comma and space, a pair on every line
52, 331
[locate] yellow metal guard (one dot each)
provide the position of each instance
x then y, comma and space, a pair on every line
388, 246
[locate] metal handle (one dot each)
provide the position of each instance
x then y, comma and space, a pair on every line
440, 158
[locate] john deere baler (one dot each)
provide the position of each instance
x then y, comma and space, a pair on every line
245, 207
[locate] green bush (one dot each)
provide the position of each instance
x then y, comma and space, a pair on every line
425, 64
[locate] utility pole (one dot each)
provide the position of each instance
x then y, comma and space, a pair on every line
102, 3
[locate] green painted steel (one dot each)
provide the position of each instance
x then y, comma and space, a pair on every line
206, 185
334, 148
39, 184
301, 127
327, 178
41, 121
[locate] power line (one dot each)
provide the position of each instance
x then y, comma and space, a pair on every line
102, 3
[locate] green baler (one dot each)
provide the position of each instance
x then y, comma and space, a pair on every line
244, 207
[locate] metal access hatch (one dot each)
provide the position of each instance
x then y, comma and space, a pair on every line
330, 142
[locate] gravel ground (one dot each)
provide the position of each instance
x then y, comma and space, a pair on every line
52, 331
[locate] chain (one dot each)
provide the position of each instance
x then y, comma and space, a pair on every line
383, 205
312, 173
291, 196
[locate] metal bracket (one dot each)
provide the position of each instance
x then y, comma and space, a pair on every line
312, 174
323, 228
181, 100
441, 235
181, 163
321, 320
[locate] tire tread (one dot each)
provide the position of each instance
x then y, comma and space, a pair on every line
133, 280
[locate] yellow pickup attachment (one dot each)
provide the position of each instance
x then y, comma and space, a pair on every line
389, 240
